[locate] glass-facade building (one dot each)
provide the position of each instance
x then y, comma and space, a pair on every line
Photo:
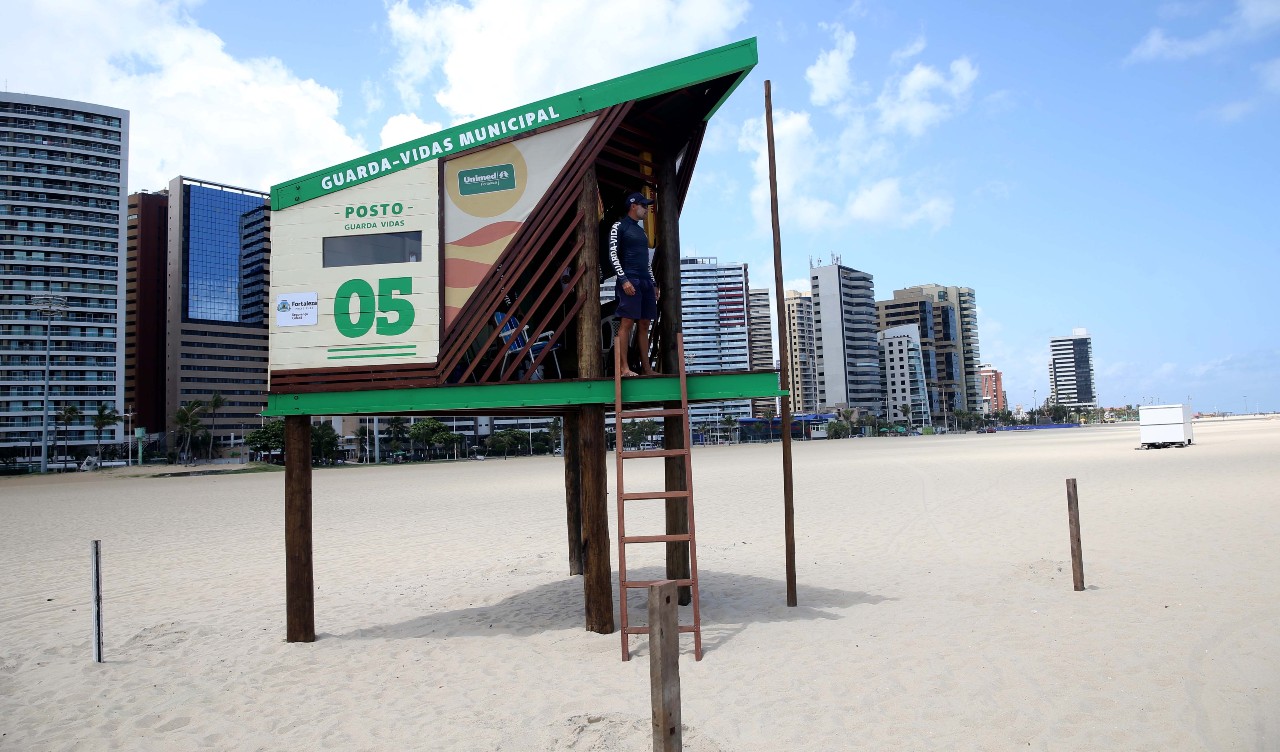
216, 329
63, 172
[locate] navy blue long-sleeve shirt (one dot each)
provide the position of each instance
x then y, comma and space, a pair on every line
629, 250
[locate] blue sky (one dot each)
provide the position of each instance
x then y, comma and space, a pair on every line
1112, 166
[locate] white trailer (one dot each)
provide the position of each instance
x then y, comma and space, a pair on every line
1162, 426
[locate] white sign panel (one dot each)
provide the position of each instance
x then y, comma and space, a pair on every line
297, 309
369, 258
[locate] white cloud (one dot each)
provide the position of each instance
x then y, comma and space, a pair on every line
906, 53
545, 47
1233, 111
405, 127
831, 77
800, 161
925, 97
1270, 74
372, 94
814, 190
883, 203
1251, 20
195, 110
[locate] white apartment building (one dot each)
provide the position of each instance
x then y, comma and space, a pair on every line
845, 344
902, 366
1071, 380
63, 174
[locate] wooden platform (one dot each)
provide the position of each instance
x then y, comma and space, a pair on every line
538, 397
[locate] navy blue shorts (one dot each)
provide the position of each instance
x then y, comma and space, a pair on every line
642, 305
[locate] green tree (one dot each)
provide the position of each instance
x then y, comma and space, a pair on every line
187, 419
430, 432
66, 416
105, 418
324, 442
837, 429
506, 440
268, 439
397, 432
216, 402
363, 436
636, 431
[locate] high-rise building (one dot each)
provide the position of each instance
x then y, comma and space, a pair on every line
993, 397
848, 353
906, 396
63, 172
802, 371
147, 249
713, 311
1071, 370
760, 342
950, 347
216, 326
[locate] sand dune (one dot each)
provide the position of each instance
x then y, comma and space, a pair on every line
936, 608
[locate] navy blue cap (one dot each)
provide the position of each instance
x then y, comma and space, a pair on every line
638, 198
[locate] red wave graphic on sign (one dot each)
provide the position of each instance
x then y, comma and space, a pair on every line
464, 272
487, 234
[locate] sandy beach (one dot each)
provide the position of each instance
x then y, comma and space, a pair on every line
936, 604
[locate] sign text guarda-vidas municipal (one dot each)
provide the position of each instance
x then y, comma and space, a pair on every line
437, 146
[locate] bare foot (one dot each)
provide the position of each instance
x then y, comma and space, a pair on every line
650, 372
628, 373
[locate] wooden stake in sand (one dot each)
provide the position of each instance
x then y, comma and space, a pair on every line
664, 666
1073, 519
788, 504
95, 558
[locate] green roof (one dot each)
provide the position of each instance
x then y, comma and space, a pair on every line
736, 58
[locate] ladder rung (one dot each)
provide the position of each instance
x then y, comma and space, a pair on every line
674, 412
647, 583
655, 495
686, 629
640, 453
679, 537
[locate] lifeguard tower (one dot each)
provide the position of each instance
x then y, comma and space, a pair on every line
460, 274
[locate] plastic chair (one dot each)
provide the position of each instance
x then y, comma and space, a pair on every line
515, 337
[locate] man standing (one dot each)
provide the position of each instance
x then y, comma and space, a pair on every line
637, 290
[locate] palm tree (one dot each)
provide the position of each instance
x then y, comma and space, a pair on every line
106, 417
397, 431
188, 421
216, 402
66, 416
363, 434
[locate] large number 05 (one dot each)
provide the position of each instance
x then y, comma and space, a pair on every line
357, 320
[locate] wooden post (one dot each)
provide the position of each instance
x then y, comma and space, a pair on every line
1073, 521
95, 567
597, 567
673, 433
572, 487
298, 582
664, 667
788, 503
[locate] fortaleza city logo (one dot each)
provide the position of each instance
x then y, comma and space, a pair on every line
297, 309
487, 179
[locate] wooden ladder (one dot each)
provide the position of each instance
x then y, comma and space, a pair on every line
623, 497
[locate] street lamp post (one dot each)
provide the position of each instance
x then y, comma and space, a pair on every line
49, 306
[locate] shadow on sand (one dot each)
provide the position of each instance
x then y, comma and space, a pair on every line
730, 603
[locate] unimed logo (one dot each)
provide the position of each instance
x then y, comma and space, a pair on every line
487, 179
